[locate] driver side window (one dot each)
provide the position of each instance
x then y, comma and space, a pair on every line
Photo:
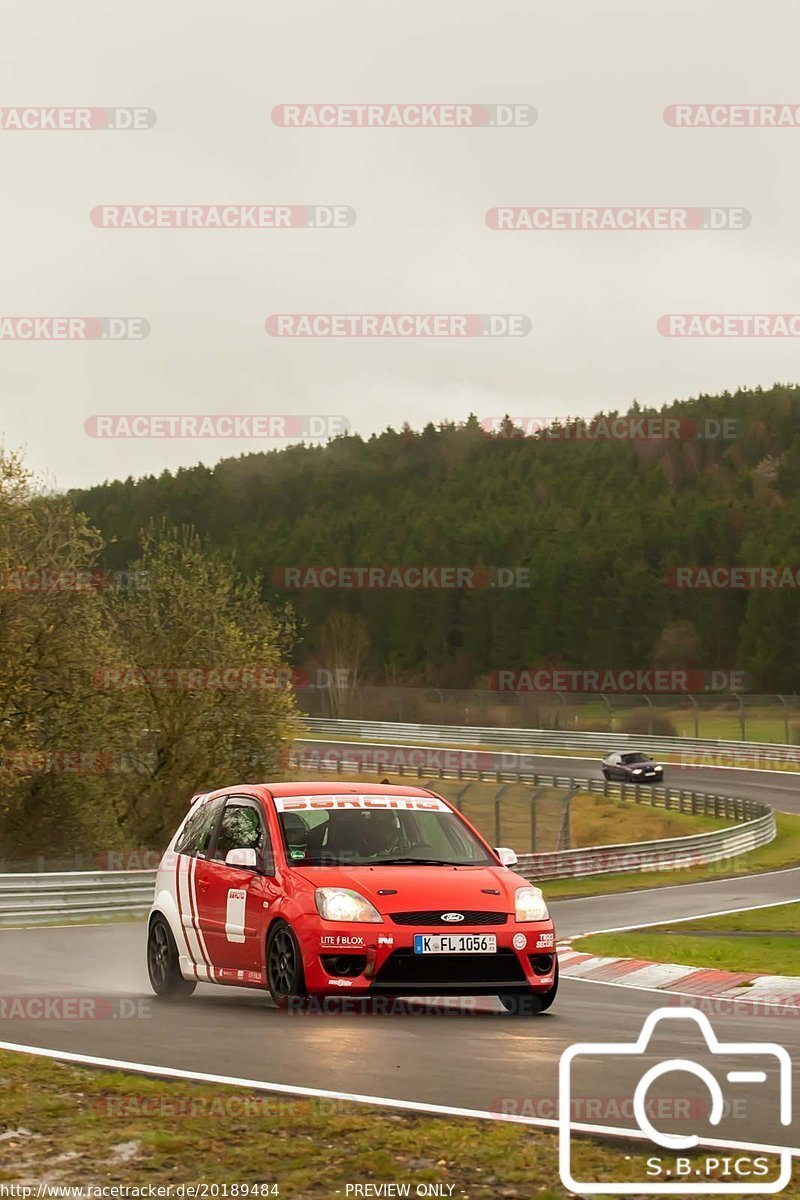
241, 828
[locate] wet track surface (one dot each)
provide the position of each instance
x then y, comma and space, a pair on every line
480, 1059
780, 789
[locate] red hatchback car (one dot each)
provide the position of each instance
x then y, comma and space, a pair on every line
316, 889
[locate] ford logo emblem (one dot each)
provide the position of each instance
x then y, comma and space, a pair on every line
452, 916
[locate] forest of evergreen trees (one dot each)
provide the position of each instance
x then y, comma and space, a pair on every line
597, 522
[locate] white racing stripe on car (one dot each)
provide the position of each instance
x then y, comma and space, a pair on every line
188, 957
205, 968
188, 911
185, 911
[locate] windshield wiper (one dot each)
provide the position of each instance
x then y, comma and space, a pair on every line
422, 862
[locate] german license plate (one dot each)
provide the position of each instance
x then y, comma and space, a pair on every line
455, 943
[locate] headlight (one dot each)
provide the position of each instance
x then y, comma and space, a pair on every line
637, 770
529, 904
342, 904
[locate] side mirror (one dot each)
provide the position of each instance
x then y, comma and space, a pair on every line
507, 857
245, 858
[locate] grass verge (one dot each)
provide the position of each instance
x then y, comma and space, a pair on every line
738, 942
74, 1126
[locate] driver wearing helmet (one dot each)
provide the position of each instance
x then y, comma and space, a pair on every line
379, 833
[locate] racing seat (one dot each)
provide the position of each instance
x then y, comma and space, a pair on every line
316, 839
345, 834
296, 832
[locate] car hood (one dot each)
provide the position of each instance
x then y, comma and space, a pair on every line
423, 887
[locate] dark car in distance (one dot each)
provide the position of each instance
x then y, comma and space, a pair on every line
631, 766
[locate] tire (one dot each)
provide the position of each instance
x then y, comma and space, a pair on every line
285, 978
529, 1004
163, 967
606, 775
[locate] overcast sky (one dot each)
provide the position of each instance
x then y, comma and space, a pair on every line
599, 77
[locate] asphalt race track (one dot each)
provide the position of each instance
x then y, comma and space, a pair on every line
780, 789
480, 1059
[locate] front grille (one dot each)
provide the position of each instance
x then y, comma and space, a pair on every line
404, 970
433, 916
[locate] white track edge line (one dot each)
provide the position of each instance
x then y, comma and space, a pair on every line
440, 1110
722, 912
657, 890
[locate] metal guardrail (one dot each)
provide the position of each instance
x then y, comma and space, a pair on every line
668, 854
548, 739
755, 825
488, 768
34, 899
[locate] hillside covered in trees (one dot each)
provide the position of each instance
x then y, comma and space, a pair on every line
597, 521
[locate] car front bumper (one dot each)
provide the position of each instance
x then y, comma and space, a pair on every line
380, 958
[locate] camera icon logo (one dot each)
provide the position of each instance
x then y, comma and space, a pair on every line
738, 1175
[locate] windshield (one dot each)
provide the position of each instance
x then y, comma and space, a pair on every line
635, 758
353, 835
